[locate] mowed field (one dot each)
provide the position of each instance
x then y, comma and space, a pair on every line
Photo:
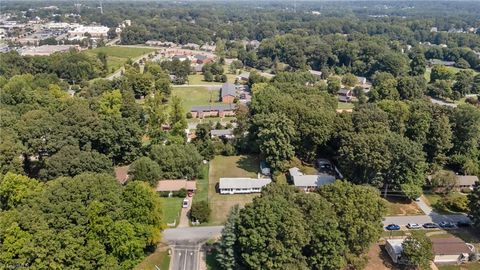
117, 56
192, 96
233, 166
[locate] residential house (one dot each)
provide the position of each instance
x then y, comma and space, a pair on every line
176, 185
228, 93
394, 249
198, 68
345, 95
362, 80
243, 77
214, 110
466, 181
451, 250
202, 59
180, 58
309, 183
441, 62
222, 133
316, 74
242, 185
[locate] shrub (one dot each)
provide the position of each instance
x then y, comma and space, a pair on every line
466, 190
200, 211
458, 203
181, 193
189, 115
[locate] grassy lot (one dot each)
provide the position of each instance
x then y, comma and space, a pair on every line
400, 206
171, 208
432, 199
201, 194
158, 258
234, 166
470, 266
117, 56
197, 78
345, 105
196, 96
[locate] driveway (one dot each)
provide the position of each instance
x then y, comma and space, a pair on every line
184, 221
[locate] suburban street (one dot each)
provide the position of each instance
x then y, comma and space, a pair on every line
185, 256
186, 244
430, 216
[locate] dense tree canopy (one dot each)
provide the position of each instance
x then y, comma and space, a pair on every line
88, 221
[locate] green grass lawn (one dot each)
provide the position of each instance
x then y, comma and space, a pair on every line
192, 96
171, 208
401, 206
345, 105
433, 199
198, 79
201, 194
234, 166
117, 56
160, 259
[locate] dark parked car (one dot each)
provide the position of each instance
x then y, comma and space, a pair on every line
393, 227
430, 226
446, 225
463, 223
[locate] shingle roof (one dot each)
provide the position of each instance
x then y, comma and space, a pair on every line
213, 107
466, 180
175, 185
449, 246
312, 180
221, 132
243, 182
228, 89
344, 91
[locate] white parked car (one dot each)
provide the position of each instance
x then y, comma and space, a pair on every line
185, 203
412, 226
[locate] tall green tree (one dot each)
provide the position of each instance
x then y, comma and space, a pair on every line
226, 253
417, 250
474, 205
145, 169
418, 65
275, 135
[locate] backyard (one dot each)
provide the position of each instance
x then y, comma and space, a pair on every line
233, 166
192, 96
399, 206
117, 56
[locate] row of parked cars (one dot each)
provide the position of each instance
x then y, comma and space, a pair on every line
443, 225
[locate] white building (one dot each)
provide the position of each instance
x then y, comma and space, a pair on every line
394, 249
242, 185
94, 31
309, 182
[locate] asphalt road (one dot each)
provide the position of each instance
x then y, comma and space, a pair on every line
185, 257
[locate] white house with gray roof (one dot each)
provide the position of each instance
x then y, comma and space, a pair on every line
241, 185
309, 183
222, 133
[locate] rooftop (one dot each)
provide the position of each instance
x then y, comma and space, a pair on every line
175, 185
221, 132
243, 182
228, 89
449, 246
312, 180
121, 174
466, 180
396, 245
213, 107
